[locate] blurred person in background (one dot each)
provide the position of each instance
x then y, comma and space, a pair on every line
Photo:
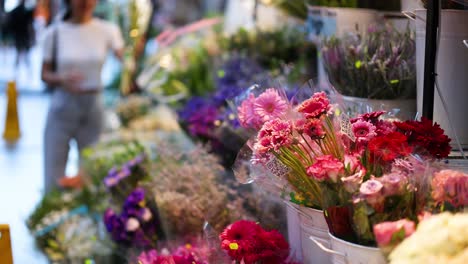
19, 25
75, 50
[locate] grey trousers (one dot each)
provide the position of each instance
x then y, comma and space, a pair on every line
78, 117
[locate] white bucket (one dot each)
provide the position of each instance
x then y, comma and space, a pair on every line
327, 21
410, 5
313, 224
294, 231
239, 14
344, 252
452, 67
404, 109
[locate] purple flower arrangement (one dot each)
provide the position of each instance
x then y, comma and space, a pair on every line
133, 171
202, 115
136, 225
209, 118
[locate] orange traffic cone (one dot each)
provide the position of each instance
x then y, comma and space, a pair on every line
6, 255
12, 129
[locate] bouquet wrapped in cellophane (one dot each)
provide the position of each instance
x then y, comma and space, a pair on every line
361, 171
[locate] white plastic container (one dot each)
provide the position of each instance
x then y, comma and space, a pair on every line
452, 69
343, 252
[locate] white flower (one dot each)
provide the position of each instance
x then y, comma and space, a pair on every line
146, 215
442, 238
132, 224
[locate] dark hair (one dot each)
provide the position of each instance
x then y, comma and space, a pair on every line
68, 10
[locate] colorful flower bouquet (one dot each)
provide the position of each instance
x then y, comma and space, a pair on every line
360, 171
379, 65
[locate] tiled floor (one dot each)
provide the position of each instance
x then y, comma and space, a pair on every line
21, 175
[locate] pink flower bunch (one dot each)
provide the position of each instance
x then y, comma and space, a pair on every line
389, 234
269, 105
274, 135
450, 186
183, 255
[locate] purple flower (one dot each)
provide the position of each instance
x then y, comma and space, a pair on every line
135, 199
115, 176
202, 122
191, 107
136, 161
115, 225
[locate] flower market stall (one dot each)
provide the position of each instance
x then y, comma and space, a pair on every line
232, 152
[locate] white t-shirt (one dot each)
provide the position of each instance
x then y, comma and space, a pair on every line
83, 48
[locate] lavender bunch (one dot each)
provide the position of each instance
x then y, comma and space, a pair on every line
379, 65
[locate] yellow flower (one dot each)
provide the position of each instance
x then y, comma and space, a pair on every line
234, 246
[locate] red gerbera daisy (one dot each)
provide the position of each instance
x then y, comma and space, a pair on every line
430, 137
240, 240
389, 147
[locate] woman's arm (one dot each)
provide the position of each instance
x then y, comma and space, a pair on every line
68, 82
49, 76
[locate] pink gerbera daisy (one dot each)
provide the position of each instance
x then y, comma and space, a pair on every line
364, 130
270, 105
247, 116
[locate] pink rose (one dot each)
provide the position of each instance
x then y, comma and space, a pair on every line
371, 191
352, 183
450, 186
315, 106
352, 163
392, 233
394, 183
326, 167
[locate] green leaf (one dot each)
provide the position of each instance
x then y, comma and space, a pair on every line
398, 236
